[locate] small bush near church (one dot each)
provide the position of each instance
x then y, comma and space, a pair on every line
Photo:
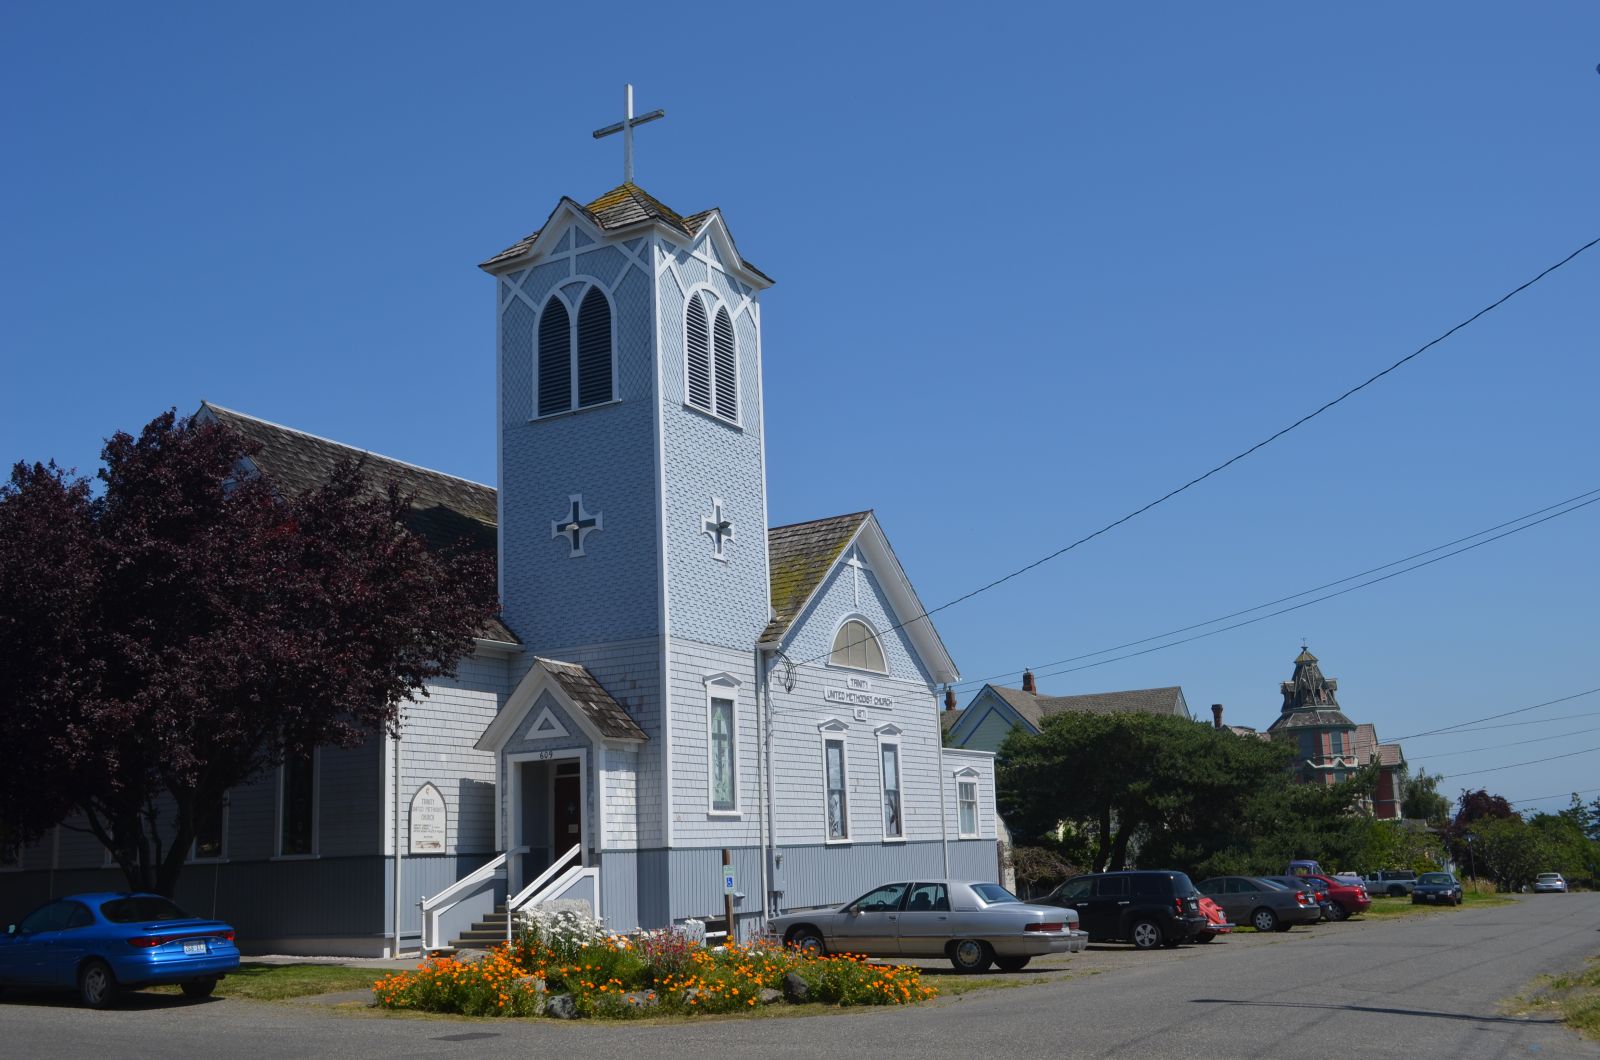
660, 973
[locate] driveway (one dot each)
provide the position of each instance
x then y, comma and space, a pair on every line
1428, 986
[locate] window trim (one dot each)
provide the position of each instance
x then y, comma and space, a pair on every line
963, 778
889, 736
194, 858
722, 686
713, 303
572, 307
835, 731
316, 813
877, 638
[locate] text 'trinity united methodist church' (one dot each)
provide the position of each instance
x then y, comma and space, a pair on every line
671, 676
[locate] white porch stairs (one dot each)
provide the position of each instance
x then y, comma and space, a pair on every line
468, 908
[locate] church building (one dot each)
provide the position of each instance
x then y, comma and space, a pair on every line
670, 678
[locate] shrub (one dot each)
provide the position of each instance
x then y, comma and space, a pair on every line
496, 985
558, 932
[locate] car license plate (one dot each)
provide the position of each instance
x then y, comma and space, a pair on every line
197, 946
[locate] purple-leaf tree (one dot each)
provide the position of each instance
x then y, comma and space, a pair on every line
183, 631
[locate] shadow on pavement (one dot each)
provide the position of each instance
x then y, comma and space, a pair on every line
126, 1001
1368, 1008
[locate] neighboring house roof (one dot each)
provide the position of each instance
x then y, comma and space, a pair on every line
1389, 754
1309, 719
623, 207
799, 557
1364, 742
948, 719
1035, 708
445, 510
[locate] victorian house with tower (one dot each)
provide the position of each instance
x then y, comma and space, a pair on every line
671, 678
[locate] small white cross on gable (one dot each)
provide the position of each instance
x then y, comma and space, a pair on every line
719, 528
856, 567
577, 525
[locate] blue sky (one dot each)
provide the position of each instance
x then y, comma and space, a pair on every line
1034, 269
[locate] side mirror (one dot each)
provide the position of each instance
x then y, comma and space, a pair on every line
11, 929
854, 910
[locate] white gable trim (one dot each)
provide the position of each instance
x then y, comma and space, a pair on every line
533, 684
546, 727
903, 600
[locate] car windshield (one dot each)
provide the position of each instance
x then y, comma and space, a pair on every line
993, 893
1549, 875
140, 908
1439, 877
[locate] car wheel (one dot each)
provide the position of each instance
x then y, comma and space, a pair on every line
807, 939
97, 987
1264, 920
1205, 936
1339, 913
198, 988
1415, 900
1146, 935
970, 956
1011, 964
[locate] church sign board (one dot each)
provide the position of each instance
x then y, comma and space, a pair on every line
859, 694
427, 821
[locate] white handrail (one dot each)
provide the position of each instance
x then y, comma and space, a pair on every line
512, 904
433, 908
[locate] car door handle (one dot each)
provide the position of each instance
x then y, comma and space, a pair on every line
1122, 903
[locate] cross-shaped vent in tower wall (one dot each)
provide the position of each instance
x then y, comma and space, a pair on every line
718, 528
578, 524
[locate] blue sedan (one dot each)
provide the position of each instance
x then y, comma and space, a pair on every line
99, 944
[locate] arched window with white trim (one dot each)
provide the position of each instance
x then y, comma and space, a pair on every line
575, 352
856, 646
711, 358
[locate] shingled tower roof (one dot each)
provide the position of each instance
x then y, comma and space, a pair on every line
1308, 689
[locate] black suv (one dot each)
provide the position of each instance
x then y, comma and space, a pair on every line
1146, 908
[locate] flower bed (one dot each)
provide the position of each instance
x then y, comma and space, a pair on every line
572, 968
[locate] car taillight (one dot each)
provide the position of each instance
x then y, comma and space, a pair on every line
146, 942
1044, 927
1302, 896
226, 936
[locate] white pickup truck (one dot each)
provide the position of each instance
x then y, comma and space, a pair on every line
1396, 883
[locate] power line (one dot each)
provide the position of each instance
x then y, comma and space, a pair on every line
1307, 418
1559, 795
1319, 599
1496, 717
1514, 765
1497, 747
1292, 596
1515, 724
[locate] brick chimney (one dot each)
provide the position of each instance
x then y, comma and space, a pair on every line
949, 699
1027, 682
1216, 715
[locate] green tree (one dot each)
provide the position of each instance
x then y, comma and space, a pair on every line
1421, 801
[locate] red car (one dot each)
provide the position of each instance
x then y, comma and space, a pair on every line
1349, 898
1217, 921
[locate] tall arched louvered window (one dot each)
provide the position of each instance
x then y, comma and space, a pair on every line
712, 368
555, 358
575, 369
727, 367
594, 349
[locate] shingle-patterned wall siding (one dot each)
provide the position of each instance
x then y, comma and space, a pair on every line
712, 601
620, 796
606, 453
436, 747
811, 638
693, 823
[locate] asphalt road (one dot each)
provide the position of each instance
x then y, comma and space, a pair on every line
1430, 986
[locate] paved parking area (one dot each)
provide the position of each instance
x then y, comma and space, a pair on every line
1415, 988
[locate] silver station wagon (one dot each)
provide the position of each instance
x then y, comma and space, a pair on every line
973, 924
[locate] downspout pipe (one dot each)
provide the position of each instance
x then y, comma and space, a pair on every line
398, 898
944, 827
763, 701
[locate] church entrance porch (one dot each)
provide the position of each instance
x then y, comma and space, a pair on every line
547, 811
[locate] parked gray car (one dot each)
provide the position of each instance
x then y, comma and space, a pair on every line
974, 924
1263, 904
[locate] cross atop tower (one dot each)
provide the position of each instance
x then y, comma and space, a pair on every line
625, 127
